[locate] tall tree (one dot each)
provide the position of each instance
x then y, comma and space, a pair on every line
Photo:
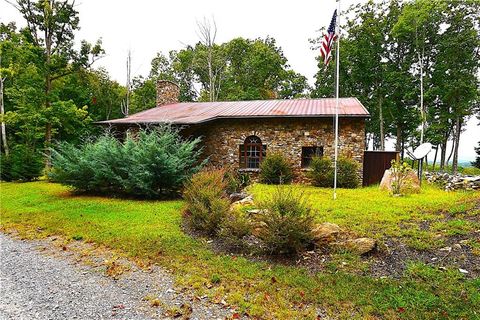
457, 66
3, 77
51, 24
207, 32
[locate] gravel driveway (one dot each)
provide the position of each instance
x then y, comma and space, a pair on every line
36, 284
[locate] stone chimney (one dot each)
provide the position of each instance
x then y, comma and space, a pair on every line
167, 92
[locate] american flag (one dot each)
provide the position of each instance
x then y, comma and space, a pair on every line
327, 42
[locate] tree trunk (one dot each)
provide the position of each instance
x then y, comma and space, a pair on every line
435, 158
443, 153
451, 150
210, 75
398, 144
382, 134
458, 130
48, 88
2, 113
403, 148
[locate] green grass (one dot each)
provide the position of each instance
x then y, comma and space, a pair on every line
373, 213
151, 230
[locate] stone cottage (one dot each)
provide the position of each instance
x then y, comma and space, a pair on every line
240, 134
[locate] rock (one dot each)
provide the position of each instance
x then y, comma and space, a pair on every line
463, 271
457, 246
359, 246
411, 185
453, 181
244, 202
237, 196
254, 211
325, 232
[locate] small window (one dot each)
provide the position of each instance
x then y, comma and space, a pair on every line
308, 153
251, 153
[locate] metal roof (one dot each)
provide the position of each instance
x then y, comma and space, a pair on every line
198, 112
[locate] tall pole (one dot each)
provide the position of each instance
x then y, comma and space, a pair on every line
129, 67
337, 64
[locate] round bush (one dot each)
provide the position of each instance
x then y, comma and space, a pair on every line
347, 173
286, 222
321, 172
151, 164
276, 169
207, 204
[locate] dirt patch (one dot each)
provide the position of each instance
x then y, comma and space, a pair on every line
390, 259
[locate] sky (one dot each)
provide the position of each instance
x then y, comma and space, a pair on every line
147, 26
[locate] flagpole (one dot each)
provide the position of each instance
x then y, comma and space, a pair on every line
337, 64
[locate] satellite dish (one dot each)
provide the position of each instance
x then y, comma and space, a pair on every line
422, 150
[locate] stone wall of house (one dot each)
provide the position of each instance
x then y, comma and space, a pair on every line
221, 138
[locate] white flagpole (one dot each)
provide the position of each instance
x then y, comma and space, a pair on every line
337, 64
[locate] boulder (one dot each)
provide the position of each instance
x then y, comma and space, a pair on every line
237, 196
411, 185
248, 200
359, 246
325, 232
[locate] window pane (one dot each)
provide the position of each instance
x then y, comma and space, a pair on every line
308, 153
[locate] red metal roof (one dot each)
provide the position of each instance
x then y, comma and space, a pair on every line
198, 112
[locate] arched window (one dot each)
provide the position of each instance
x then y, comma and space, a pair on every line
251, 152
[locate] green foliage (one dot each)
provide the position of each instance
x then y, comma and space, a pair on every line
400, 181
287, 222
152, 164
235, 181
382, 47
347, 175
276, 169
207, 204
476, 163
321, 172
22, 164
235, 226
470, 171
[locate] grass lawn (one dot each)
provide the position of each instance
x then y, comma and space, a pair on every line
370, 212
152, 230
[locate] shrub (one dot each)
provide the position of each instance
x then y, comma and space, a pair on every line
400, 182
207, 204
153, 163
235, 181
287, 222
276, 169
22, 164
347, 173
321, 172
235, 227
